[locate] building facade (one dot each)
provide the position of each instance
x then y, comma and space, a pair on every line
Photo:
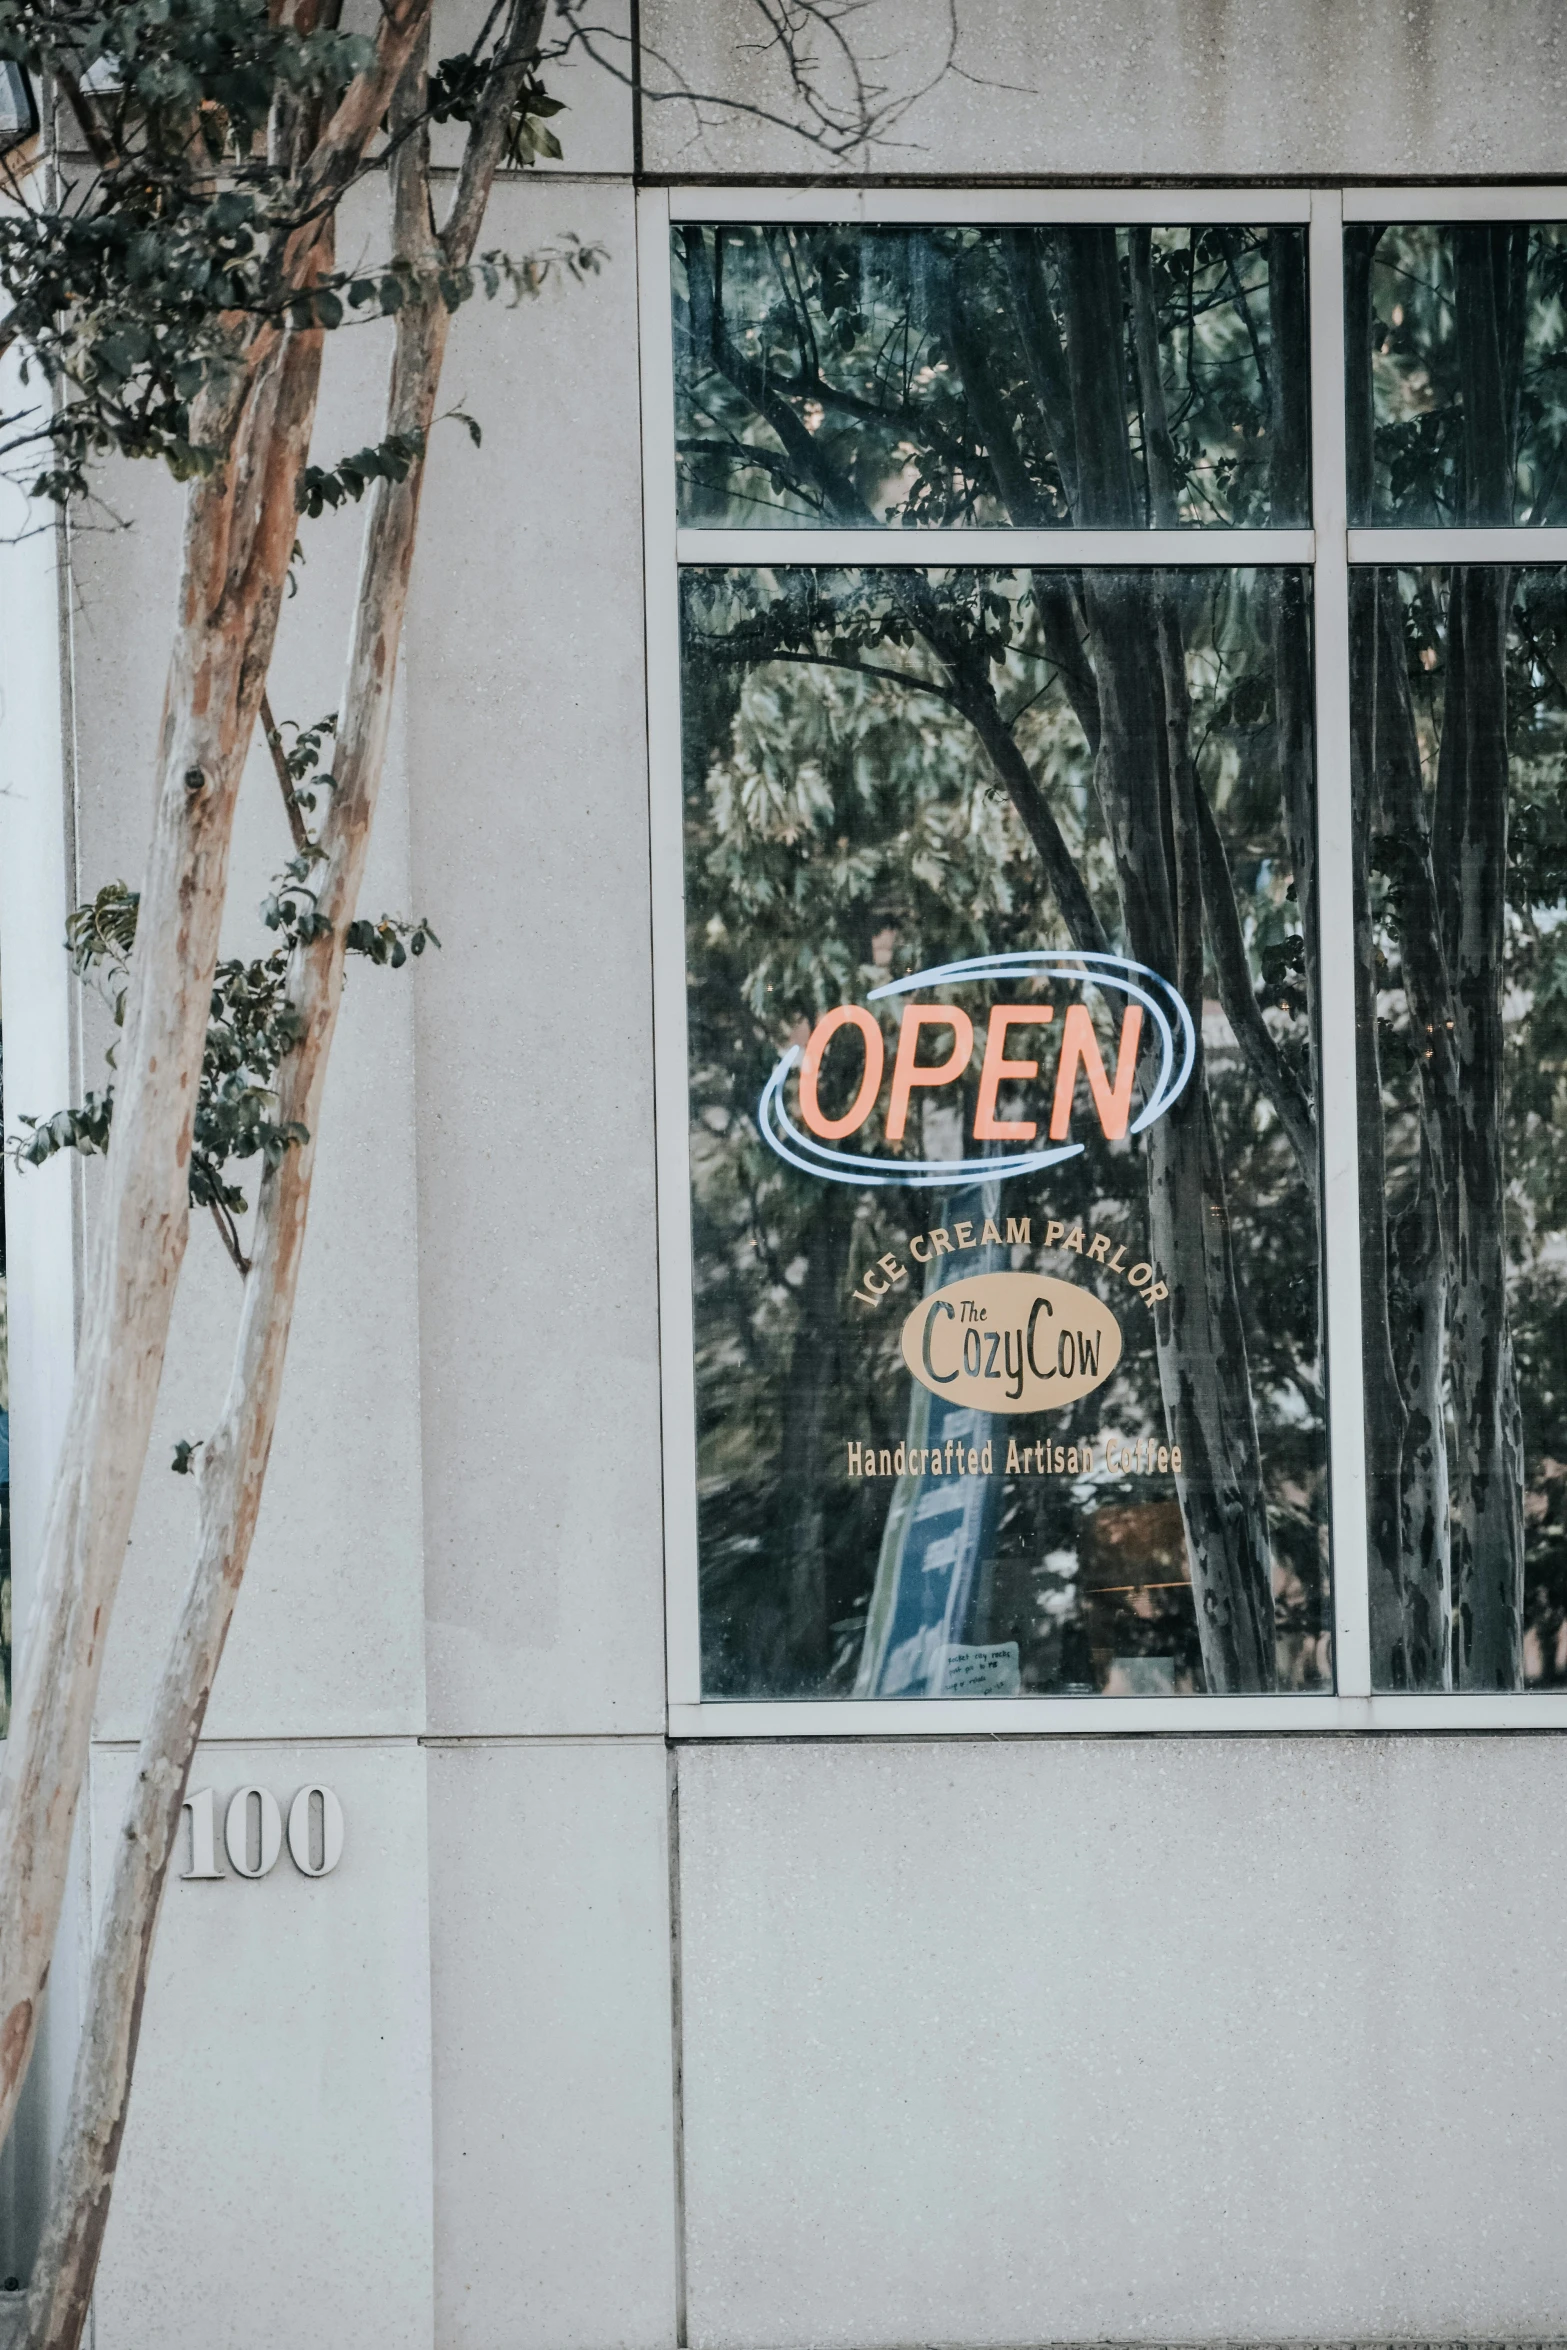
1071, 597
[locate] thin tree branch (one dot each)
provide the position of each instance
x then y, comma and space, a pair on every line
488, 136
295, 813
339, 150
1259, 1046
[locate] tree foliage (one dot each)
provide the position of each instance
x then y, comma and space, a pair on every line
140, 274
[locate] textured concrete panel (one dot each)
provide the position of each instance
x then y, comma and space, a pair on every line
328, 1635
584, 73
1243, 2040
1387, 89
275, 2182
554, 2197
537, 1244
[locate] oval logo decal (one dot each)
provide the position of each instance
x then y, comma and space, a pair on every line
1011, 1342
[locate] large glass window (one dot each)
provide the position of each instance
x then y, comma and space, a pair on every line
1122, 961
1460, 696
959, 854
938, 378
1001, 950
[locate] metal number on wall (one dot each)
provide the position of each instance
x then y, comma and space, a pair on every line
254, 1832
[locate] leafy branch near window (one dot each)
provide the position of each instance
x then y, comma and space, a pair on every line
251, 1026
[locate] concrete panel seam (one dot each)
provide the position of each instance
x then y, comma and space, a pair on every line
501, 1738
677, 2052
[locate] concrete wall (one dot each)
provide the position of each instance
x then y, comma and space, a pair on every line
1216, 89
981, 2042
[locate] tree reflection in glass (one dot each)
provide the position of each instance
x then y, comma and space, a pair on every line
887, 770
1457, 341
1461, 776
1033, 376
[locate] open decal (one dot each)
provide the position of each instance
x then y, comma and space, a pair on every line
1147, 998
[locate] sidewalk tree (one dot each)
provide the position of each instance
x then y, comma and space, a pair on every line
170, 272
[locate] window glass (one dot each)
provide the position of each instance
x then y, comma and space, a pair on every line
1006, 1270
1457, 340
906, 377
1461, 783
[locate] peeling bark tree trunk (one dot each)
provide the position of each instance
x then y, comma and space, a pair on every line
234, 1458
238, 535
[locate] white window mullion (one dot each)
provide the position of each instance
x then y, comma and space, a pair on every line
930, 206
1457, 544
683, 1645
1074, 550
1336, 1104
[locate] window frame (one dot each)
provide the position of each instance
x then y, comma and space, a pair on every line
1329, 549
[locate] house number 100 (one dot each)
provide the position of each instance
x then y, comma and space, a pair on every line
253, 1826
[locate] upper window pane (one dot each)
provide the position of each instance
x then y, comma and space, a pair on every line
1087, 377
1457, 340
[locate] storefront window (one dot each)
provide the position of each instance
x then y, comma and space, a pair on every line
1457, 336
931, 841
1139, 925
1460, 693
1001, 931
937, 378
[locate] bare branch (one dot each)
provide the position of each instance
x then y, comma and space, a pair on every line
296, 814
1259, 1047
865, 116
486, 147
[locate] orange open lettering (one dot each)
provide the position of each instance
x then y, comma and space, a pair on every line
997, 1069
1080, 1053
1080, 1046
907, 1072
821, 1036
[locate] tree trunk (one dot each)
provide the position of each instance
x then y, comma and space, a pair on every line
1470, 853
1381, 1390
240, 527
239, 533
1418, 1312
1416, 1250
1471, 845
234, 1458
